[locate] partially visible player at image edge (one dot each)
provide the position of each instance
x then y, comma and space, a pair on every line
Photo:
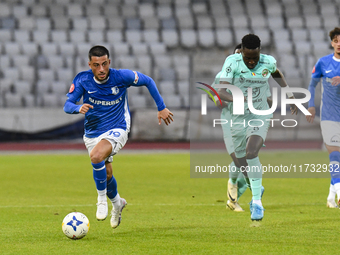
107, 121
327, 68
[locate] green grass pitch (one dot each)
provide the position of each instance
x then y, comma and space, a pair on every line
167, 213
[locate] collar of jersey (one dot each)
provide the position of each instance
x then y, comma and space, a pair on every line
336, 59
101, 82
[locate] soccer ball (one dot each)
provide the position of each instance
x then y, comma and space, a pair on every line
75, 225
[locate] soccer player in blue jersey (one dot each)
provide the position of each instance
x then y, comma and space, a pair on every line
107, 121
327, 69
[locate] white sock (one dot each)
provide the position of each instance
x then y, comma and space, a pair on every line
102, 196
337, 188
258, 202
332, 192
116, 201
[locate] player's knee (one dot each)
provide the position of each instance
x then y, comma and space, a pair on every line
108, 176
251, 154
96, 157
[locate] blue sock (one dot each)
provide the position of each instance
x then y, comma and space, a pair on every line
334, 158
112, 188
99, 175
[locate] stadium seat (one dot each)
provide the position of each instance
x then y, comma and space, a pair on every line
284, 47
60, 87
162, 61
313, 22
97, 22
222, 22
170, 38
5, 61
26, 23
65, 74
29, 48
49, 48
13, 100
12, 48
183, 73
39, 11
133, 36
206, 38
295, 22
299, 34
120, 49
257, 22
164, 11
168, 23
317, 34
186, 22
150, 35
146, 10
61, 23
57, 12
77, 36
111, 11
43, 87
188, 38
41, 36
93, 10
167, 88
46, 74
133, 24
28, 100
275, 22
240, 21
150, 23
5, 10
330, 22
167, 74
22, 87
8, 23
74, 10
139, 49
264, 35
50, 100
6, 85
129, 11
144, 64
199, 7
20, 60
43, 24
5, 35
67, 49
96, 36
22, 35
55, 61
157, 48
205, 22
114, 36
125, 62
240, 32
183, 87
19, 10
137, 101
224, 38
303, 47
173, 101
59, 36
321, 48
79, 24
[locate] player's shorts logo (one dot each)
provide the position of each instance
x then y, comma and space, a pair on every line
335, 139
115, 90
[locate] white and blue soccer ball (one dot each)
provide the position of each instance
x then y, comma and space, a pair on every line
75, 225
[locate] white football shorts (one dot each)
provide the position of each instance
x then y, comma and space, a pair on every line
330, 132
117, 137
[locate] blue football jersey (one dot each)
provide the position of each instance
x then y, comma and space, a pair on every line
326, 68
109, 99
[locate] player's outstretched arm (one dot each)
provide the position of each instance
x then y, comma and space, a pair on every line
85, 108
166, 115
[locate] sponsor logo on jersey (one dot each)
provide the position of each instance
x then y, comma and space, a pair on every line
105, 103
265, 72
136, 77
71, 88
256, 92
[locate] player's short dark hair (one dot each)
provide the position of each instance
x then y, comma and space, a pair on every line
98, 51
335, 32
237, 47
251, 41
